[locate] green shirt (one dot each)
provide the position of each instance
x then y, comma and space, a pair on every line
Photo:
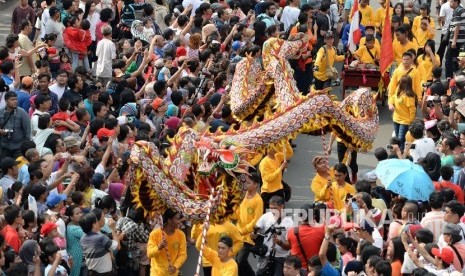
447, 160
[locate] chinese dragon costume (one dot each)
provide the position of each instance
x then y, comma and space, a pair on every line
265, 99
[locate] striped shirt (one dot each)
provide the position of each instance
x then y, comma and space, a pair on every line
434, 221
96, 249
458, 20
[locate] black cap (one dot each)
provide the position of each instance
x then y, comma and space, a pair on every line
8, 163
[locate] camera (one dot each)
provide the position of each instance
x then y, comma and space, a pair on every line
427, 84
9, 133
278, 230
389, 147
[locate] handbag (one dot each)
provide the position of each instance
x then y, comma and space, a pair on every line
331, 71
268, 267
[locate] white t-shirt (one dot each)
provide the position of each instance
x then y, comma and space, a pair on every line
57, 90
59, 271
51, 179
35, 121
289, 16
267, 220
446, 12
93, 19
45, 17
106, 53
422, 147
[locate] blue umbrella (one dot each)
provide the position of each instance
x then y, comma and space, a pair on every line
405, 178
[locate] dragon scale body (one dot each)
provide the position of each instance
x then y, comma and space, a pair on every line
263, 92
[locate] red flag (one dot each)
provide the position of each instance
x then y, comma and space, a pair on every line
387, 56
355, 34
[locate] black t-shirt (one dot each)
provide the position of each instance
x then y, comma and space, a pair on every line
438, 88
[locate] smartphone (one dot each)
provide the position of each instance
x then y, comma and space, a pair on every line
67, 181
413, 146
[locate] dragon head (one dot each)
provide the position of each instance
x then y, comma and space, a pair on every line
212, 156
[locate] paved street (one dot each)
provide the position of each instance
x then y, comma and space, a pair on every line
6, 10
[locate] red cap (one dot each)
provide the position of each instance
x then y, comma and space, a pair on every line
105, 132
446, 254
181, 51
47, 228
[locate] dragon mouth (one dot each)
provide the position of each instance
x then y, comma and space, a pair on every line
206, 168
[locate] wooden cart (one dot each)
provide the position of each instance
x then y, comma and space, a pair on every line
364, 78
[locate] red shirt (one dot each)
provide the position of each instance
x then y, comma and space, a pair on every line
449, 185
12, 238
60, 116
311, 238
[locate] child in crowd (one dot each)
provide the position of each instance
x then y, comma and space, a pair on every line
52, 54
62, 121
65, 65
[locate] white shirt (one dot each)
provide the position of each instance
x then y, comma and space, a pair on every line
45, 17
59, 270
55, 27
446, 12
422, 147
290, 16
106, 53
35, 121
93, 19
267, 220
59, 90
378, 239
82, 5
53, 177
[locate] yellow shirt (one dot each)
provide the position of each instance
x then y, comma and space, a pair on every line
363, 41
422, 37
214, 233
368, 16
249, 211
379, 17
271, 174
219, 268
322, 61
425, 67
400, 49
417, 23
176, 248
255, 158
399, 73
404, 109
339, 194
318, 188
365, 57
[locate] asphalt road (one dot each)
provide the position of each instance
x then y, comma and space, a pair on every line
6, 10
300, 170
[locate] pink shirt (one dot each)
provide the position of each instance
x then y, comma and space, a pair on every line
434, 221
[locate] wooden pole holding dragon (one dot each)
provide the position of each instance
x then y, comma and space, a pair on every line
206, 225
